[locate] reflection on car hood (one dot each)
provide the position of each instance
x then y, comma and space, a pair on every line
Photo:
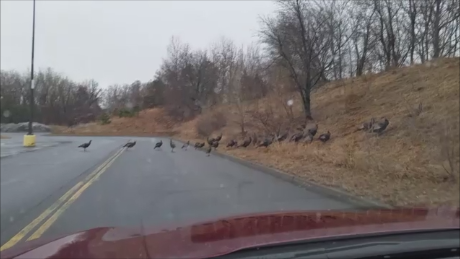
227, 235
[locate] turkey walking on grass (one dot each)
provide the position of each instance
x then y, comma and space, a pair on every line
297, 136
380, 126
312, 131
172, 145
367, 126
308, 138
85, 145
267, 142
282, 137
246, 143
158, 144
232, 143
215, 144
324, 137
210, 140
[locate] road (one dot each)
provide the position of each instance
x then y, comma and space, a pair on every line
61, 189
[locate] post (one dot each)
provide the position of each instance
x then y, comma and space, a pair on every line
29, 139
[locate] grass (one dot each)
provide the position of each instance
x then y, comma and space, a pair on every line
147, 123
415, 162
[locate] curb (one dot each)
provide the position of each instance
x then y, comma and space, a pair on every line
330, 192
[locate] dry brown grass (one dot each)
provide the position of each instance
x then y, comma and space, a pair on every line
412, 163
415, 162
147, 123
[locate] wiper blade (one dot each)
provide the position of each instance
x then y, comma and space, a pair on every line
365, 250
419, 244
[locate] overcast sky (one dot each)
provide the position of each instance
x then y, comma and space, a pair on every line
118, 41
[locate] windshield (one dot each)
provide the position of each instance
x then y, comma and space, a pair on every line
153, 115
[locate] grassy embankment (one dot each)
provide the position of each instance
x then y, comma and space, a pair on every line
407, 165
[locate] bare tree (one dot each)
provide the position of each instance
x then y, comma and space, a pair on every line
224, 54
363, 18
300, 40
303, 45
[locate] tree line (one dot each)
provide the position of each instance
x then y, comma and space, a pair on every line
300, 47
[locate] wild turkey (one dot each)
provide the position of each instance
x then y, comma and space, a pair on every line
267, 142
280, 138
172, 145
367, 126
199, 145
85, 145
246, 143
210, 140
186, 145
312, 131
208, 151
296, 137
218, 138
380, 126
308, 138
158, 144
130, 144
301, 127
324, 137
232, 143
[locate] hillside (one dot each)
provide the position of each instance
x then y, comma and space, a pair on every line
407, 165
148, 122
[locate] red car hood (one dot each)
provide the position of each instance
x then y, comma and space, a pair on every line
227, 235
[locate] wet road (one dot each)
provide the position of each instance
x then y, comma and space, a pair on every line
61, 189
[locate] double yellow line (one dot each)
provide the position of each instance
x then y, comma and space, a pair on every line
65, 201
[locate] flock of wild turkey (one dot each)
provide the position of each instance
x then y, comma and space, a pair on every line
304, 134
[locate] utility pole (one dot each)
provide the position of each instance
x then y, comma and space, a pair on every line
29, 139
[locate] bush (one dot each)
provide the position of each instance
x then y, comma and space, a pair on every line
105, 119
209, 123
126, 113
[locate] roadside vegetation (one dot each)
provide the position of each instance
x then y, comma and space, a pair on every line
335, 64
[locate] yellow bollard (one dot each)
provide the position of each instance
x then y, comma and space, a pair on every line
29, 141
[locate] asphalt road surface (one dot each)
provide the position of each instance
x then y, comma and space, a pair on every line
59, 189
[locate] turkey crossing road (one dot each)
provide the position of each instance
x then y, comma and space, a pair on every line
62, 189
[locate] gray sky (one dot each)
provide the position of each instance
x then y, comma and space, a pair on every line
118, 41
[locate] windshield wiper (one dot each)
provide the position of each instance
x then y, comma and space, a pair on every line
390, 249
432, 244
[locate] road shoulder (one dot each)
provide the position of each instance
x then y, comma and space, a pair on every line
327, 191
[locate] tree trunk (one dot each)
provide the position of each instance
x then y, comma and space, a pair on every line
436, 22
306, 101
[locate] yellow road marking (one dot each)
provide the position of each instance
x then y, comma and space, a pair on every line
21, 234
39, 219
66, 205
